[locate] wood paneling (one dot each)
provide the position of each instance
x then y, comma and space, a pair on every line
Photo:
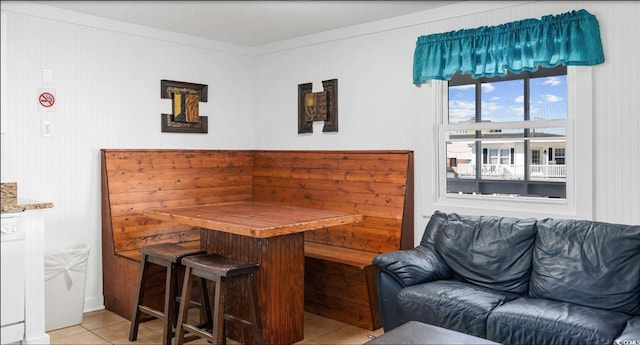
342, 292
137, 180
373, 183
339, 276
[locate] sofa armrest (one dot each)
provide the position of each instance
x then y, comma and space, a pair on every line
631, 333
413, 266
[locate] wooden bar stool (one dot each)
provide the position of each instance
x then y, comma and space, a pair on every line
219, 269
168, 255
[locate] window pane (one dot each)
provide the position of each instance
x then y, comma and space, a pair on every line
559, 157
494, 157
505, 156
503, 101
499, 165
535, 157
461, 159
548, 98
502, 133
549, 165
549, 132
463, 134
462, 104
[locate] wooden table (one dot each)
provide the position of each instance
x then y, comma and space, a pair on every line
414, 332
271, 235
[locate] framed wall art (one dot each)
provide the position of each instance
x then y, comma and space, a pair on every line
318, 106
185, 116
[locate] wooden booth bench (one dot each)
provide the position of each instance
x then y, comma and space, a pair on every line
339, 275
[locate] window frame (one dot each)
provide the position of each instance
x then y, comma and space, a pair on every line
578, 202
488, 175
536, 156
556, 156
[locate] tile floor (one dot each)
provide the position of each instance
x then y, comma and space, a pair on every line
105, 327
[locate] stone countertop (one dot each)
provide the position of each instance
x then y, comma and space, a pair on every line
21, 204
11, 202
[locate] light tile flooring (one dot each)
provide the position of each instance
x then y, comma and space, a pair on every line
105, 327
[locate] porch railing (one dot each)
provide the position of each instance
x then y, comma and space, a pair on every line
512, 171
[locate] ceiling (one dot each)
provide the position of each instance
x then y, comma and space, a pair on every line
247, 23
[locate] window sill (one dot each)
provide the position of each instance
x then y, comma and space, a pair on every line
520, 207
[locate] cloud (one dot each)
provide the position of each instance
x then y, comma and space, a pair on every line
490, 107
551, 98
461, 111
516, 112
519, 99
488, 87
553, 81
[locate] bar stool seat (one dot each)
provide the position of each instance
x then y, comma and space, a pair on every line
219, 269
168, 255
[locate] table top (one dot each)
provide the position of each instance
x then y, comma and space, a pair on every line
253, 219
414, 332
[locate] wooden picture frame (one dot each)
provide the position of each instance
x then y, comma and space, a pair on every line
169, 125
328, 115
331, 88
303, 126
185, 117
167, 87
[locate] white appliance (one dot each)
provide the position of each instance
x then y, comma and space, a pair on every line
13, 280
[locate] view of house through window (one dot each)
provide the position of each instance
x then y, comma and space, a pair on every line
507, 136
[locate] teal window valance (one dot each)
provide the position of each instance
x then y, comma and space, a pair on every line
571, 38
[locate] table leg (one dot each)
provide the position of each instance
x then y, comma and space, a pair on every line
280, 283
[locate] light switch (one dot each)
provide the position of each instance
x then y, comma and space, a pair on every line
46, 130
47, 77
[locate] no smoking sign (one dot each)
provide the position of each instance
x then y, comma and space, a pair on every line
46, 100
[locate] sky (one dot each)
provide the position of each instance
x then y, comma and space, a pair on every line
504, 100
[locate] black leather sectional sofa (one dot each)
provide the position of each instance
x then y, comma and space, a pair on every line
518, 281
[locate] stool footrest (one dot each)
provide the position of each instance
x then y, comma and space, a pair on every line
154, 313
239, 320
194, 304
190, 338
195, 330
148, 318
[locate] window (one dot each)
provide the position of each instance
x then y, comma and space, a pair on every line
559, 158
535, 156
541, 188
497, 131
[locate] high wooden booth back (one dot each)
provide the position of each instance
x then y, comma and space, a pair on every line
339, 275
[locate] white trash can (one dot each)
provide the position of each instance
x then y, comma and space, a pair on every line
65, 275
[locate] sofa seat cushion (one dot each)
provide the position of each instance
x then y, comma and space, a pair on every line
539, 321
450, 304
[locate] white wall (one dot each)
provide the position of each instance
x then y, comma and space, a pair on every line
379, 108
107, 85
107, 81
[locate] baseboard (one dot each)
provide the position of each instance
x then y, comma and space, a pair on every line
41, 339
93, 304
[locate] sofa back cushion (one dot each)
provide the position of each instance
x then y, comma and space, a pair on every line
493, 252
589, 263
